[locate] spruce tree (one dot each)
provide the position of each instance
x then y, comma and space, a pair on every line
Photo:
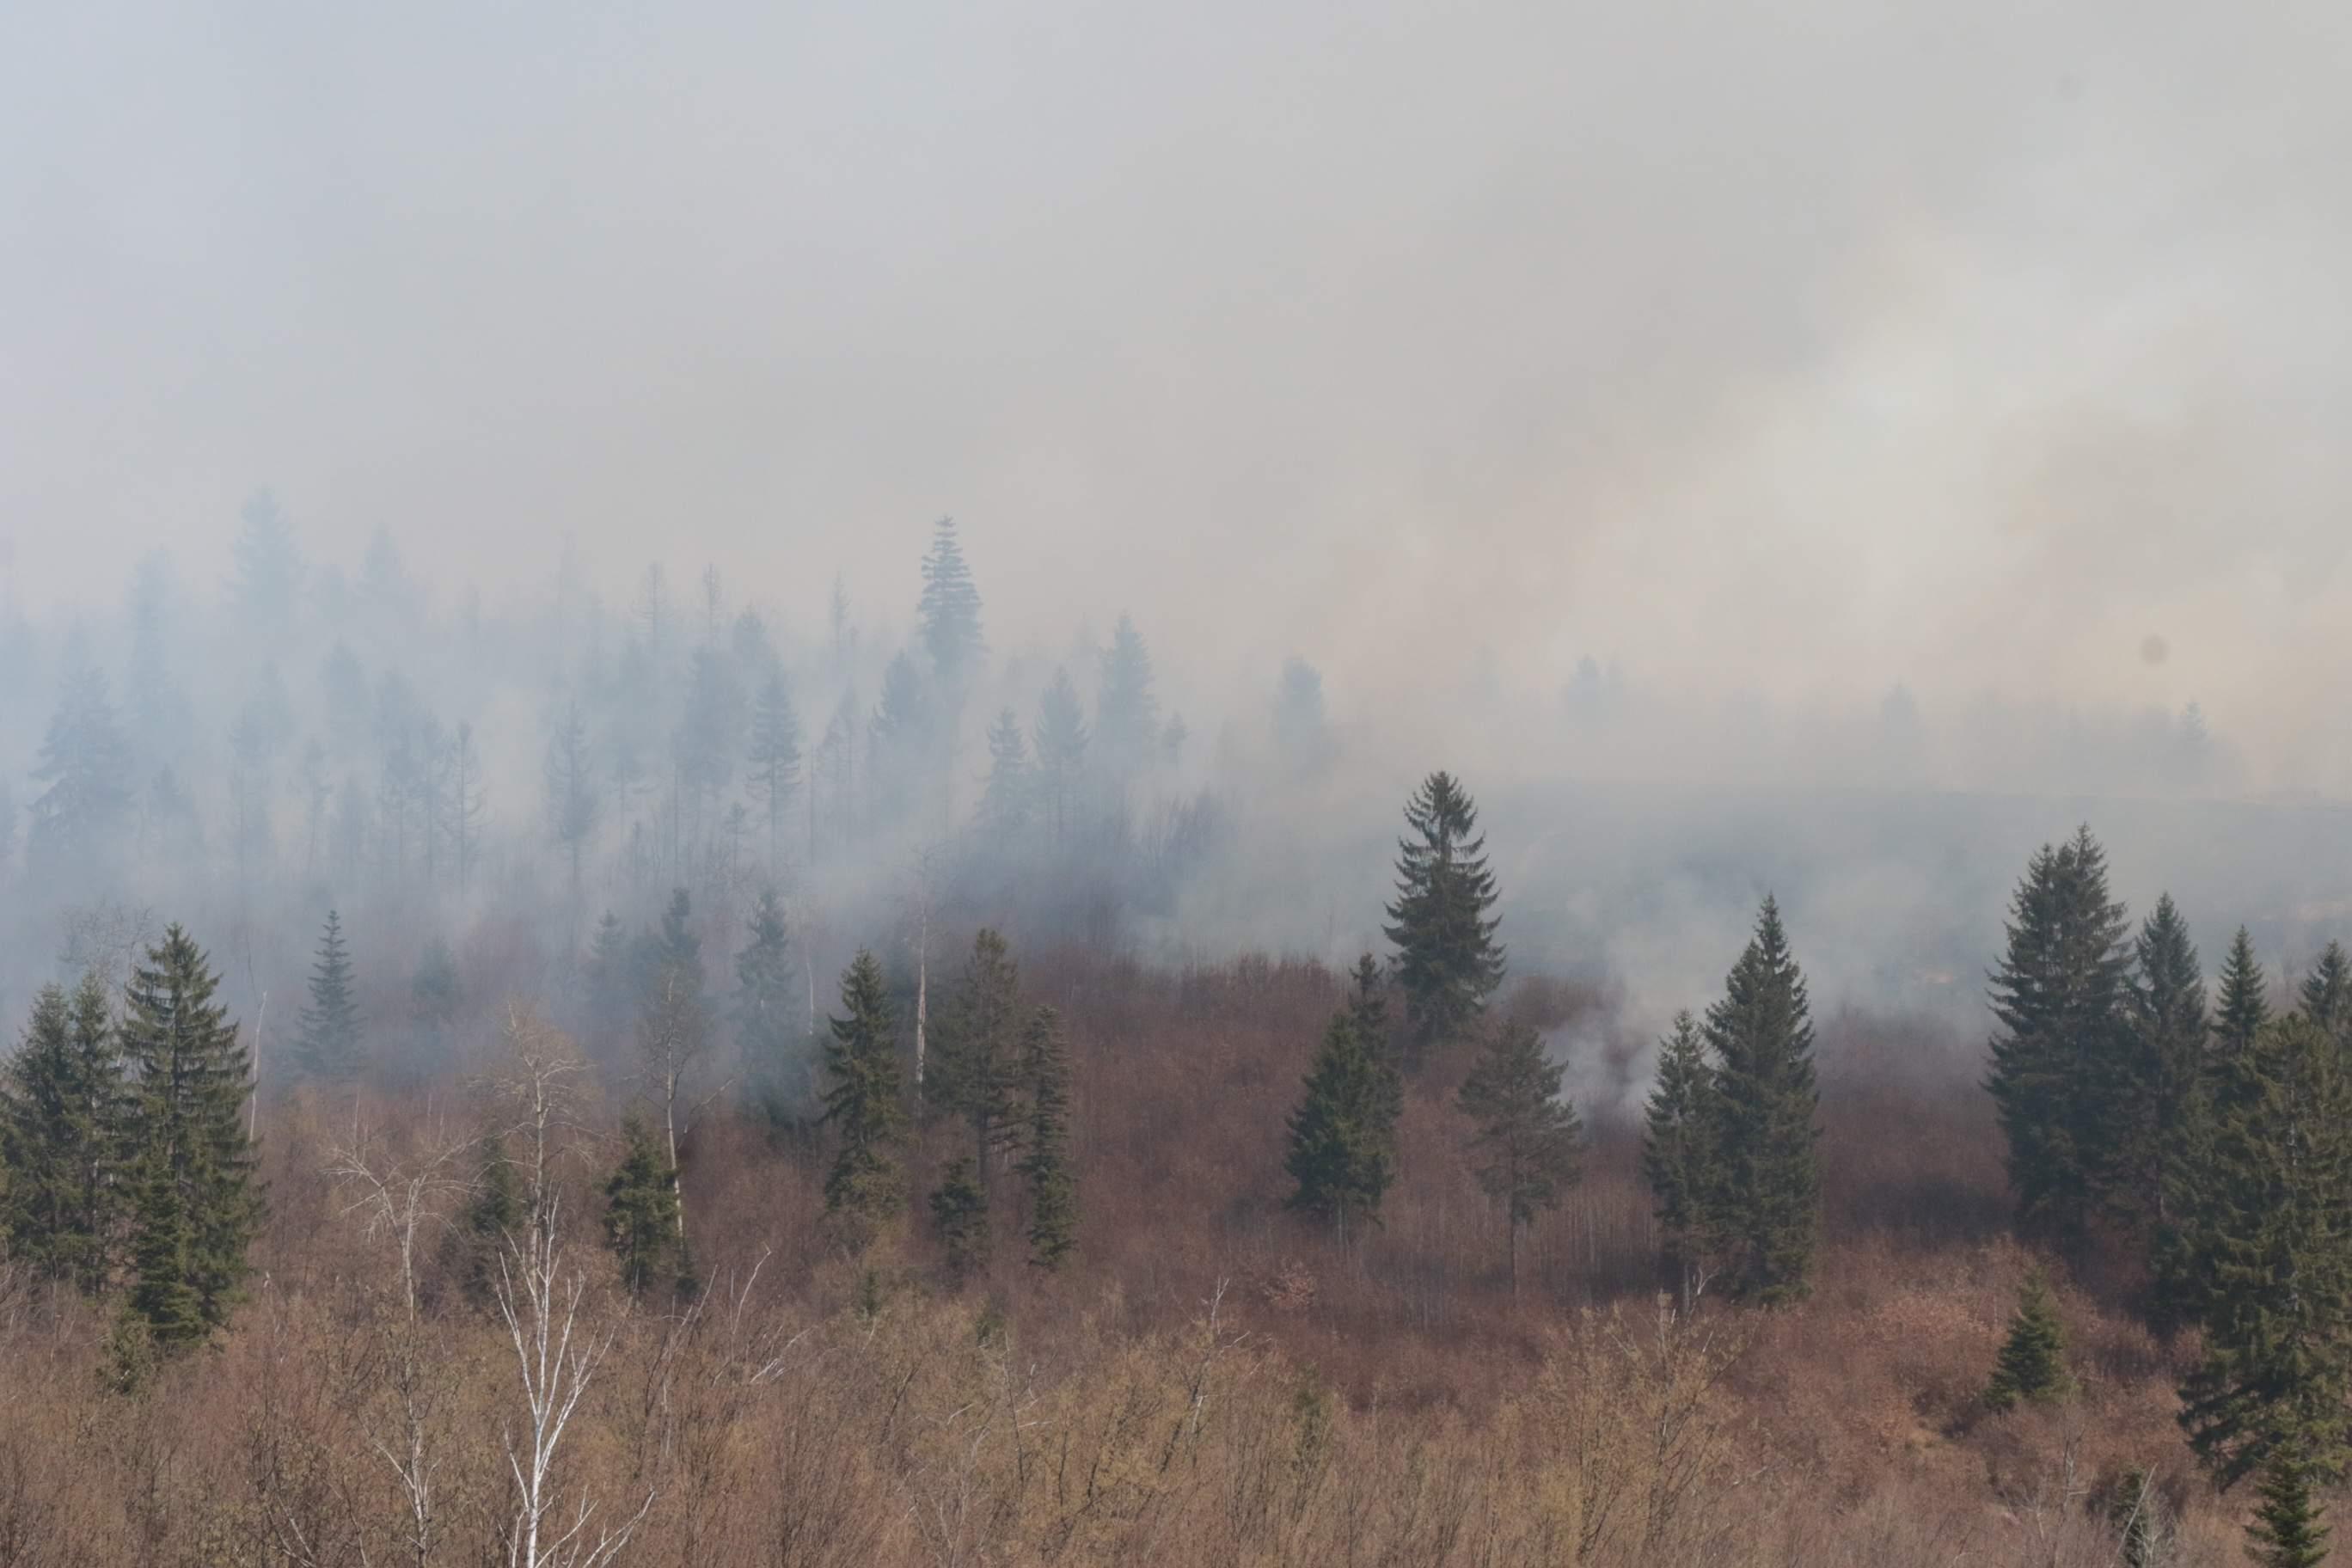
493, 1209
959, 1213
1678, 1153
949, 612
765, 1033
2059, 995
1062, 738
2269, 1228
1764, 1210
1448, 962
1006, 804
641, 1214
978, 1050
2159, 1078
1126, 707
327, 1043
1529, 1143
199, 1204
2327, 995
2244, 1004
775, 759
1044, 1163
64, 1122
1343, 1151
2286, 1531
2032, 1364
863, 1101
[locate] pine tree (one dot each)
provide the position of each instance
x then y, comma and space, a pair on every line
327, 1045
641, 1219
863, 1102
2327, 994
64, 1120
1764, 1210
1127, 708
1044, 1163
199, 1204
2059, 995
1529, 1143
978, 1049
764, 1031
2268, 1223
2032, 1364
2160, 1078
959, 1213
1343, 1154
949, 611
1004, 806
2244, 1005
1448, 962
1678, 1152
1062, 740
2287, 1532
775, 759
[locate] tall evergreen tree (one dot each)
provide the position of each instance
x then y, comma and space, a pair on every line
959, 1213
1529, 1143
864, 1102
641, 1217
1126, 707
1062, 738
2245, 1005
2032, 1364
79, 817
2059, 995
2287, 1532
775, 759
949, 611
902, 735
1004, 806
2269, 1223
2161, 1076
2327, 994
1678, 1155
764, 1031
327, 1044
1448, 962
199, 1203
1045, 1164
492, 1213
977, 1054
1343, 1154
63, 1125
1765, 1210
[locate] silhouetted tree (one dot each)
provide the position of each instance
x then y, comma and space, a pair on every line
775, 759
765, 1035
1062, 738
2160, 1078
949, 612
1765, 1210
977, 1054
327, 1045
1447, 961
1342, 1151
863, 1101
1127, 708
1006, 804
1678, 1154
1044, 1163
2327, 994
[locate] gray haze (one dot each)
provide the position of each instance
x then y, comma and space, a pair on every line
1826, 447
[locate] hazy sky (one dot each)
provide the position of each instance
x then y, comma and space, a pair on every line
1797, 348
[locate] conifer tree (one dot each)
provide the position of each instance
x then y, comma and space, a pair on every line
1678, 1153
1342, 1152
1062, 740
85, 769
2059, 995
492, 1212
978, 1052
764, 1014
2268, 1223
64, 1123
1126, 707
611, 982
949, 612
641, 1218
1006, 804
1765, 1203
775, 759
2286, 1531
2326, 993
1529, 1143
863, 1102
2032, 1364
2245, 1005
2160, 1076
902, 735
1044, 1163
327, 1045
569, 775
199, 1205
1448, 962
959, 1213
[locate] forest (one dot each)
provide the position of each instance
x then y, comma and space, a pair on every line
650, 1087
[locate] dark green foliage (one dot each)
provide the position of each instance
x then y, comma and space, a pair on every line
1530, 1145
2267, 1231
959, 1213
863, 1102
1045, 1163
949, 611
775, 777
2032, 1364
1343, 1151
2158, 1080
64, 1127
1062, 740
2059, 995
977, 1050
2245, 1005
1011, 795
2137, 1511
327, 1045
765, 1031
1448, 962
493, 1210
2286, 1531
641, 1214
1678, 1151
2327, 995
1764, 1210
199, 1204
